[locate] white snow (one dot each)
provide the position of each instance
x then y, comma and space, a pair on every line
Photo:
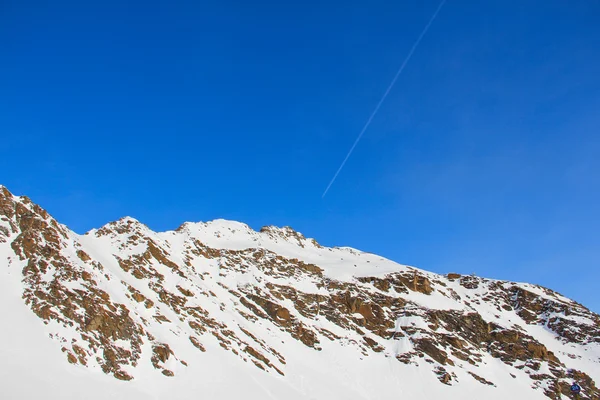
34, 367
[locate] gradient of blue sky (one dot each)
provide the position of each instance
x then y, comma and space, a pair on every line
483, 159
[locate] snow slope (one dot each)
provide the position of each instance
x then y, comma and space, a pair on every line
219, 310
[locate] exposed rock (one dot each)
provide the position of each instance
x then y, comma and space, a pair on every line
480, 379
115, 306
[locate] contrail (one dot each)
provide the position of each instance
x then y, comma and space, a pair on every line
406, 60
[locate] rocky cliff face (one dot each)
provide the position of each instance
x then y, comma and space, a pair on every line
123, 297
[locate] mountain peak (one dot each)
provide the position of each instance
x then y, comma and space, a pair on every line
289, 234
284, 232
5, 193
123, 225
219, 298
280, 230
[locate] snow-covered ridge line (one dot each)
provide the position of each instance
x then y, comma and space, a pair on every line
337, 262
180, 312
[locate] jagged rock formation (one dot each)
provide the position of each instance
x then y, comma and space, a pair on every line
123, 297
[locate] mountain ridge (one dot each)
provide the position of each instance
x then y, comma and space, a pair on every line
128, 302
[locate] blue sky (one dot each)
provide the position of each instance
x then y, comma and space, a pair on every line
484, 157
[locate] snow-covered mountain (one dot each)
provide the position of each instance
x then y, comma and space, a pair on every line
218, 311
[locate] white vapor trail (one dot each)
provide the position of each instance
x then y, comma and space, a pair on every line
406, 60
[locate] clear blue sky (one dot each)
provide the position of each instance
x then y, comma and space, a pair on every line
483, 159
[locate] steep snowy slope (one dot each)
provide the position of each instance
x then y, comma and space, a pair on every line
219, 310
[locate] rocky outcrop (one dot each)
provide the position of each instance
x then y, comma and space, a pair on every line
117, 304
